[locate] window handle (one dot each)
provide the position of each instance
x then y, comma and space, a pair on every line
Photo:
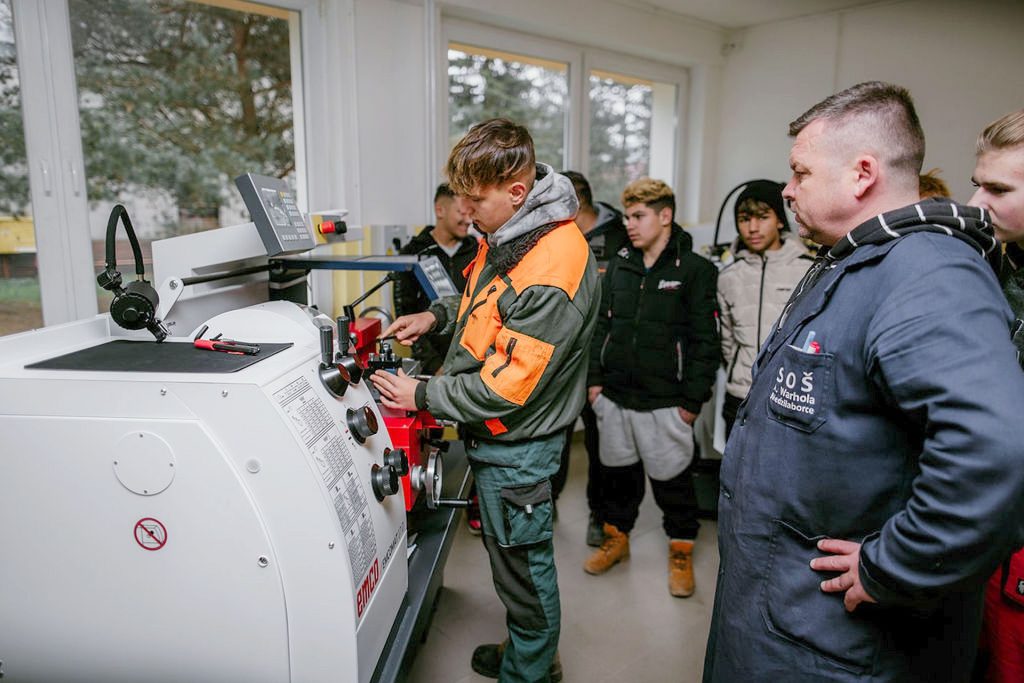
44, 170
75, 186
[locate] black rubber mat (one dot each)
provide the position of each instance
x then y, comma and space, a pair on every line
123, 355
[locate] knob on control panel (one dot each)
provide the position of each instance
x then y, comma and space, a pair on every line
362, 422
384, 481
397, 459
334, 378
345, 359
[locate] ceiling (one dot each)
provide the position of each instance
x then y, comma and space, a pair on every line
733, 14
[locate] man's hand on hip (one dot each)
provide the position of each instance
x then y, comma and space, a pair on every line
845, 559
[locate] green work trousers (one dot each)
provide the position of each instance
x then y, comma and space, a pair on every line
514, 487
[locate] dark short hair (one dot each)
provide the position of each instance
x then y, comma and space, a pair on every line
443, 192
492, 152
886, 111
582, 187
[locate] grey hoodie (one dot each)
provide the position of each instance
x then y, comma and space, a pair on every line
552, 200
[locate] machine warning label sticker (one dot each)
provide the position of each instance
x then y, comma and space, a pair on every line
150, 534
333, 458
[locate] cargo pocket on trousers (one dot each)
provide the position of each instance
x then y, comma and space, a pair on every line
527, 514
795, 608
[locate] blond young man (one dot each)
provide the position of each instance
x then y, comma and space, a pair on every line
999, 177
653, 361
515, 375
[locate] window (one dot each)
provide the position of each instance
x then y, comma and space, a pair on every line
632, 132
612, 117
484, 84
20, 305
175, 100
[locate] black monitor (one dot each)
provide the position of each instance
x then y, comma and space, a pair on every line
273, 208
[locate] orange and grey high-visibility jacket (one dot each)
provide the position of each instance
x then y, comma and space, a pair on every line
517, 366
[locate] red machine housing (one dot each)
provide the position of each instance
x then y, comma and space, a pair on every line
366, 332
415, 432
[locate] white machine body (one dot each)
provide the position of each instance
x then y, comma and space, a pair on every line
191, 526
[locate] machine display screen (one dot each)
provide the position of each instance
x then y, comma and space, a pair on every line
437, 277
273, 207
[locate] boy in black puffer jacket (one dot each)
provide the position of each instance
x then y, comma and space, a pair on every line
653, 361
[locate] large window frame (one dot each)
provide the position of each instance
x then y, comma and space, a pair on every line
323, 63
581, 61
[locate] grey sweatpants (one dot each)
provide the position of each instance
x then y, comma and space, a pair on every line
658, 438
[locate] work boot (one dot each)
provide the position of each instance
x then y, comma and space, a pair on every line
614, 549
595, 532
680, 568
487, 661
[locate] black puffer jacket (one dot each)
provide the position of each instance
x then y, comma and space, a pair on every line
656, 343
430, 349
608, 236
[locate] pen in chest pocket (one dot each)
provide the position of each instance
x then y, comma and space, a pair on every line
811, 346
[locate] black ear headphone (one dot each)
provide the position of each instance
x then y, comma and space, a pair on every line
134, 306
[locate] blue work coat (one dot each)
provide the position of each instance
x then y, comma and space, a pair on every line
901, 427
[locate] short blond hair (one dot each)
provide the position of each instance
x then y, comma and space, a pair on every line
655, 194
492, 152
1005, 132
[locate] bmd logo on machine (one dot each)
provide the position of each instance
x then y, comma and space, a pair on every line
367, 588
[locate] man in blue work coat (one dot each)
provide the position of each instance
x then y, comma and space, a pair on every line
874, 476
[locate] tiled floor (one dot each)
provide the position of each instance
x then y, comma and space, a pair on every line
622, 626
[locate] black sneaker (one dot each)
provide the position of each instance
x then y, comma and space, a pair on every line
595, 532
487, 662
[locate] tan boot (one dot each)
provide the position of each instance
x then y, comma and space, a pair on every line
680, 568
614, 549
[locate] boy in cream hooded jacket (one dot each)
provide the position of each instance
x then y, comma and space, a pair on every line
753, 289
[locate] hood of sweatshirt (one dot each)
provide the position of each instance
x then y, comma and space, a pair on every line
552, 200
679, 243
968, 224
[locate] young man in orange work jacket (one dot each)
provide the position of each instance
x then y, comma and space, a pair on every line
515, 374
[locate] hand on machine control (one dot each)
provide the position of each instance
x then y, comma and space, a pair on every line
409, 328
396, 391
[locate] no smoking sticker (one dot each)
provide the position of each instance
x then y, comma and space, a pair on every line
150, 534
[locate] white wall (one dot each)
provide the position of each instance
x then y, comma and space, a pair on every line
391, 43
391, 100
961, 61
